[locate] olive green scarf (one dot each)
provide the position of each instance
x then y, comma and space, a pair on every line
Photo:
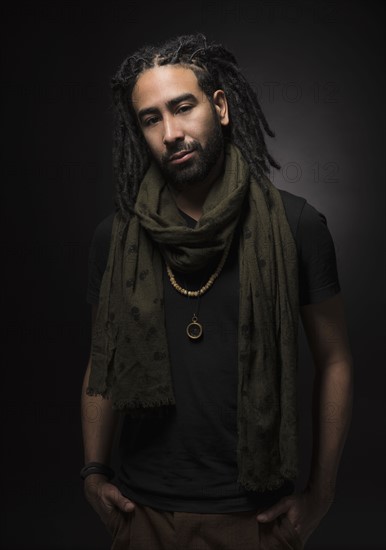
130, 357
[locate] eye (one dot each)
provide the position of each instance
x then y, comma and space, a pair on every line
188, 107
149, 121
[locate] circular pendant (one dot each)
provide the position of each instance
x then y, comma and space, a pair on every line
194, 329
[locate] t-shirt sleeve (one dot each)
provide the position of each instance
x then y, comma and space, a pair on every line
318, 273
97, 258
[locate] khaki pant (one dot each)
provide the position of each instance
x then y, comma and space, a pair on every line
150, 529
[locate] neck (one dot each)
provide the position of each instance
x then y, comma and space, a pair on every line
191, 198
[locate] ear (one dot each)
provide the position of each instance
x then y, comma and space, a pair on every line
221, 106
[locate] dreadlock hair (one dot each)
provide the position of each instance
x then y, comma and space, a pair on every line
215, 68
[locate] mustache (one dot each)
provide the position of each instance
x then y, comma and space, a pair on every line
187, 148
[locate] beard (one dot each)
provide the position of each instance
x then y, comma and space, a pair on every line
197, 168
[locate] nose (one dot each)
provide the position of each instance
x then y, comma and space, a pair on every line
172, 130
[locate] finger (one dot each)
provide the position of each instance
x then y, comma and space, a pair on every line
122, 502
272, 513
127, 505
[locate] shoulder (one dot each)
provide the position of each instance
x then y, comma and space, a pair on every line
303, 218
291, 201
293, 206
98, 256
100, 242
103, 230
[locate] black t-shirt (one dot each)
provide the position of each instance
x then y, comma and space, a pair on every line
187, 461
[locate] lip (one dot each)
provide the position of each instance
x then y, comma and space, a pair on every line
181, 156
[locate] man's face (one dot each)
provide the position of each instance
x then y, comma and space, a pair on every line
175, 116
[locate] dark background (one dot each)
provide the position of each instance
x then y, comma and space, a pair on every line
318, 70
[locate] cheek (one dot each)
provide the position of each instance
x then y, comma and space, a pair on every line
153, 144
208, 121
200, 128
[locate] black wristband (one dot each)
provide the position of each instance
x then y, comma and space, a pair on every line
96, 468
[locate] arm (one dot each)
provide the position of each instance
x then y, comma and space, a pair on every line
326, 332
99, 422
325, 328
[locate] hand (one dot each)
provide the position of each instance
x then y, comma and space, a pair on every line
106, 498
304, 511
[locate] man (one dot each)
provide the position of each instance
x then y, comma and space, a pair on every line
197, 281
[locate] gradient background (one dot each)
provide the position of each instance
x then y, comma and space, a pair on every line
318, 70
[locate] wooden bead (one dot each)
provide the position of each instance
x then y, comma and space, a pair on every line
206, 287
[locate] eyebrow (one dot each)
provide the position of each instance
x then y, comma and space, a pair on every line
169, 104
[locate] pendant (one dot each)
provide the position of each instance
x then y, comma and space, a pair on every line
194, 329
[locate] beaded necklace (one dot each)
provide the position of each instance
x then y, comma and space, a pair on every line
194, 329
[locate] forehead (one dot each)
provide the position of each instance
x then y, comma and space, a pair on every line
161, 84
